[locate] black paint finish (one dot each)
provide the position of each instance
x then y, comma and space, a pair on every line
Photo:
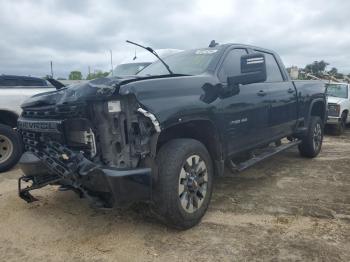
242, 116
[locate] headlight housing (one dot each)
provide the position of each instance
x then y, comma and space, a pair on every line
333, 110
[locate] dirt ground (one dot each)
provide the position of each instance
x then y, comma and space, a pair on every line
284, 209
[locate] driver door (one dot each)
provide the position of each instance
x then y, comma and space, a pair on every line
243, 116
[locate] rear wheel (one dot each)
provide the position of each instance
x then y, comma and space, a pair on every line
312, 143
184, 185
10, 147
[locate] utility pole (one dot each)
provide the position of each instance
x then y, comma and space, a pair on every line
111, 52
51, 69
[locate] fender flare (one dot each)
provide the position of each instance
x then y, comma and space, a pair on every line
215, 148
313, 102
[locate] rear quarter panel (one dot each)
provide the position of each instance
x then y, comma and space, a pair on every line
309, 92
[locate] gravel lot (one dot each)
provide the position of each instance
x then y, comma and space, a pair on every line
284, 209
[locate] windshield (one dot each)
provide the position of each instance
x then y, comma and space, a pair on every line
192, 62
129, 69
337, 90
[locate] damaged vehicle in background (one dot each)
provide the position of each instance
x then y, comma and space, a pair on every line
161, 136
338, 106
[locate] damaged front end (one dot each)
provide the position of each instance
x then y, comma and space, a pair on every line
93, 141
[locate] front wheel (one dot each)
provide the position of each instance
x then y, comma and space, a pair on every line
10, 147
184, 186
312, 143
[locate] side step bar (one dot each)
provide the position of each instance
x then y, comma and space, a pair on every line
262, 156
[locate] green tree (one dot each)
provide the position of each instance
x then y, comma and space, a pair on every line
334, 72
97, 74
75, 75
316, 68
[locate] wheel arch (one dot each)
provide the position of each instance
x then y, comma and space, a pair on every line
202, 130
318, 108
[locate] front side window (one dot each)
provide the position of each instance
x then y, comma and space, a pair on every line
232, 64
272, 69
8, 82
337, 90
32, 82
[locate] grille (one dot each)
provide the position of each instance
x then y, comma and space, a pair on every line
55, 112
34, 141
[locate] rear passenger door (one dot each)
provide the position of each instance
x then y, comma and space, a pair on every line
283, 98
243, 116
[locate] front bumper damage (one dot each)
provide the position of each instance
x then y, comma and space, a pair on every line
104, 186
89, 139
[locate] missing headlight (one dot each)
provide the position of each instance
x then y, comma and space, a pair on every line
79, 136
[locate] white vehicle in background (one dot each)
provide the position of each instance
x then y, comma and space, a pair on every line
13, 91
338, 105
132, 66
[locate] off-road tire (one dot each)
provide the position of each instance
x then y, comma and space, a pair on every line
11, 145
170, 161
308, 147
340, 128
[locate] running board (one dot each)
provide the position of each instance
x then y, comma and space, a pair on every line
262, 156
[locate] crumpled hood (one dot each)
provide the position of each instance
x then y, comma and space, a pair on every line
336, 100
95, 89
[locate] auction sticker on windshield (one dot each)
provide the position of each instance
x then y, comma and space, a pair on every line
206, 52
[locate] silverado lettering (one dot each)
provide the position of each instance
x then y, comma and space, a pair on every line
38, 126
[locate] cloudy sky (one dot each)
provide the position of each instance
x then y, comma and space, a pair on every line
75, 34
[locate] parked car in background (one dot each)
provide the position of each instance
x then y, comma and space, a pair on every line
132, 66
13, 91
14, 81
162, 135
338, 105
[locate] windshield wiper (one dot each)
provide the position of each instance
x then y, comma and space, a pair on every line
149, 49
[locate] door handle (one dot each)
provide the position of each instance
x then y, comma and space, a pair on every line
291, 91
261, 93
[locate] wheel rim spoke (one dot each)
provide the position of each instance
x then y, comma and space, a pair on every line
190, 206
317, 137
200, 168
184, 200
203, 190
182, 181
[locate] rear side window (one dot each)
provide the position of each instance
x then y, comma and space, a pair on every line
32, 82
272, 69
8, 82
232, 64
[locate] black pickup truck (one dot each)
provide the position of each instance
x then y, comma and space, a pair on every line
163, 135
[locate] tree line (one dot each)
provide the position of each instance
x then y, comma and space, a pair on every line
77, 75
318, 69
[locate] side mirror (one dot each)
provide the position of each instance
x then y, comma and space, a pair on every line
253, 70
